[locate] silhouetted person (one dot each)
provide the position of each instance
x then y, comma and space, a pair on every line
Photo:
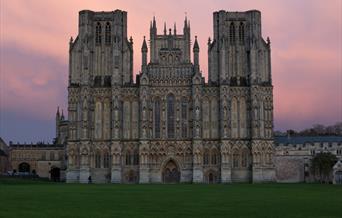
89, 179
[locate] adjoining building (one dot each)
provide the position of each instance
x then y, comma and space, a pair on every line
39, 159
294, 154
4, 163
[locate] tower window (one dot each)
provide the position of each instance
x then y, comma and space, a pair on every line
108, 34
232, 33
157, 119
170, 116
242, 33
184, 112
98, 32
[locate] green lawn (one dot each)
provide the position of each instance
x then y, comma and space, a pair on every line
43, 199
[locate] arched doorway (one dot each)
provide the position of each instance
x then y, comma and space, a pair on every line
338, 177
211, 178
55, 174
24, 168
171, 173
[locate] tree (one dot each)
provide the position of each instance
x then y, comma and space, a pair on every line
322, 165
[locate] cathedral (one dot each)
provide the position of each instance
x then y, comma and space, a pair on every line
170, 125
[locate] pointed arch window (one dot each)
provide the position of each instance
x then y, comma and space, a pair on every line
108, 34
97, 160
170, 116
242, 33
214, 157
232, 33
106, 160
128, 158
98, 34
157, 118
236, 159
244, 160
206, 157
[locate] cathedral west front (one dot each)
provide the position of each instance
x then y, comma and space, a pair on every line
169, 125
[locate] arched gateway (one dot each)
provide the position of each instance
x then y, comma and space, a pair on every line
171, 172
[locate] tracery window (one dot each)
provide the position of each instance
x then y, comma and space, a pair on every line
98, 34
132, 158
214, 158
108, 34
157, 118
232, 33
170, 116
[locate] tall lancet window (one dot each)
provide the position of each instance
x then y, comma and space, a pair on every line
242, 33
157, 118
184, 112
170, 116
232, 33
108, 34
98, 32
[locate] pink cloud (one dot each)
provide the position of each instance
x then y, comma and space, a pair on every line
305, 36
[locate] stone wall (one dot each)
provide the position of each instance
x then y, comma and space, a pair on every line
289, 169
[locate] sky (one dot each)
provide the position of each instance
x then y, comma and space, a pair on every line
306, 43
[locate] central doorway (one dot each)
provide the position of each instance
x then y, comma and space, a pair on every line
171, 173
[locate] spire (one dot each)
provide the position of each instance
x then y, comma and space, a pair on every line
174, 29
144, 46
57, 113
154, 22
164, 28
62, 117
185, 22
196, 47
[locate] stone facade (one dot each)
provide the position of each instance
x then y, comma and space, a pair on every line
170, 125
43, 160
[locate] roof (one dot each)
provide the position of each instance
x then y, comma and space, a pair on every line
306, 139
38, 145
2, 141
2, 153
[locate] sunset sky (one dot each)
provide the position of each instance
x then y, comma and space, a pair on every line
306, 43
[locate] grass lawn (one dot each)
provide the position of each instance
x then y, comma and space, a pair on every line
44, 199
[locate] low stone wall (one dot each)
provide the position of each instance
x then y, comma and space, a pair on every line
289, 169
